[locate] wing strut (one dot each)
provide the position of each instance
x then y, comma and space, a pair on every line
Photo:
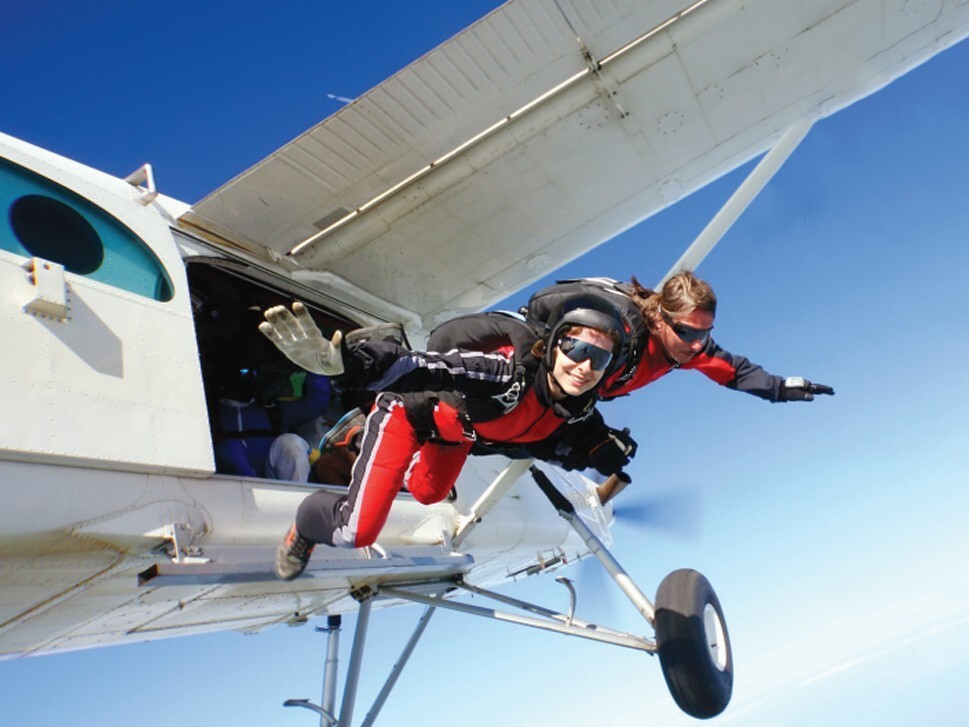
330, 675
745, 194
398, 667
490, 497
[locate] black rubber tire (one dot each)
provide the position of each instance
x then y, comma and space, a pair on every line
699, 684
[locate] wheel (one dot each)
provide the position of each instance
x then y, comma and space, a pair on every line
694, 648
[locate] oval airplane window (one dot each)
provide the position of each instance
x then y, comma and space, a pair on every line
55, 232
46, 220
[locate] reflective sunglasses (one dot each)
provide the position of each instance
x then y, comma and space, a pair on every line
687, 334
578, 350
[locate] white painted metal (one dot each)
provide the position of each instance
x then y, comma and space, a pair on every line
50, 287
112, 383
568, 619
97, 530
495, 492
356, 660
108, 461
658, 120
606, 636
143, 179
566, 508
222, 566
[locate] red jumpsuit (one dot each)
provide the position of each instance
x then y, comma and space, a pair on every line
430, 410
735, 372
642, 360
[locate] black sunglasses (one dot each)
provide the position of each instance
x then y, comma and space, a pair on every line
578, 350
687, 334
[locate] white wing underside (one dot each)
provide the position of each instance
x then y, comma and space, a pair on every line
506, 151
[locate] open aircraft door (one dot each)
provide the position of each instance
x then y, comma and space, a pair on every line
100, 362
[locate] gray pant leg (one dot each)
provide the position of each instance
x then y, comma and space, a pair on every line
289, 459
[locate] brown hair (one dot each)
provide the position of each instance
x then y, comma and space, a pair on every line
681, 295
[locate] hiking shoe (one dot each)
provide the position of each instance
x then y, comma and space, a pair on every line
346, 433
292, 555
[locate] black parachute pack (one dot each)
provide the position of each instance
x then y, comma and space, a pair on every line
545, 301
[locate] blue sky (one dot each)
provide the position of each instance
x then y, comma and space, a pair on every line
834, 532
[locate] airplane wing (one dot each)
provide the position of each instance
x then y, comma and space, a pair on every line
548, 127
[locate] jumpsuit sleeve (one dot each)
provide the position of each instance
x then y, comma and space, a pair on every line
384, 366
735, 372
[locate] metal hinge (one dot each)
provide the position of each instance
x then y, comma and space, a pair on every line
143, 179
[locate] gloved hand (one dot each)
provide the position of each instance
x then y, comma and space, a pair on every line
794, 388
612, 487
297, 336
613, 453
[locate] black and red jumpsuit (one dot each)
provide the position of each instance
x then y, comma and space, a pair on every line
569, 447
727, 369
643, 360
431, 408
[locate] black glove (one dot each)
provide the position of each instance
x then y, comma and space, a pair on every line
794, 388
613, 453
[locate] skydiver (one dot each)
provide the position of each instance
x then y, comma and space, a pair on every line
504, 384
671, 329
253, 442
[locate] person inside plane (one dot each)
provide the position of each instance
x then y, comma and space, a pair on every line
256, 439
672, 329
504, 385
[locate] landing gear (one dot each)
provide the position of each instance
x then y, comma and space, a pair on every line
694, 648
691, 633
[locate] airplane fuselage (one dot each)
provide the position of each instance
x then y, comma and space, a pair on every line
106, 450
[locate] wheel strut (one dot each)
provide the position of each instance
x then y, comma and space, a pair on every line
567, 510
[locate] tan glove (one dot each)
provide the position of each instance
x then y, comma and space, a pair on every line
302, 342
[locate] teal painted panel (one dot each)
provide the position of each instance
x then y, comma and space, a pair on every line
41, 218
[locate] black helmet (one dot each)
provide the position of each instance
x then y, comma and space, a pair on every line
588, 310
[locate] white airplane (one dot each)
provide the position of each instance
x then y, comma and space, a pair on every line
532, 136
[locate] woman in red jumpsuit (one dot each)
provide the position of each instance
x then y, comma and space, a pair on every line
671, 329
501, 385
